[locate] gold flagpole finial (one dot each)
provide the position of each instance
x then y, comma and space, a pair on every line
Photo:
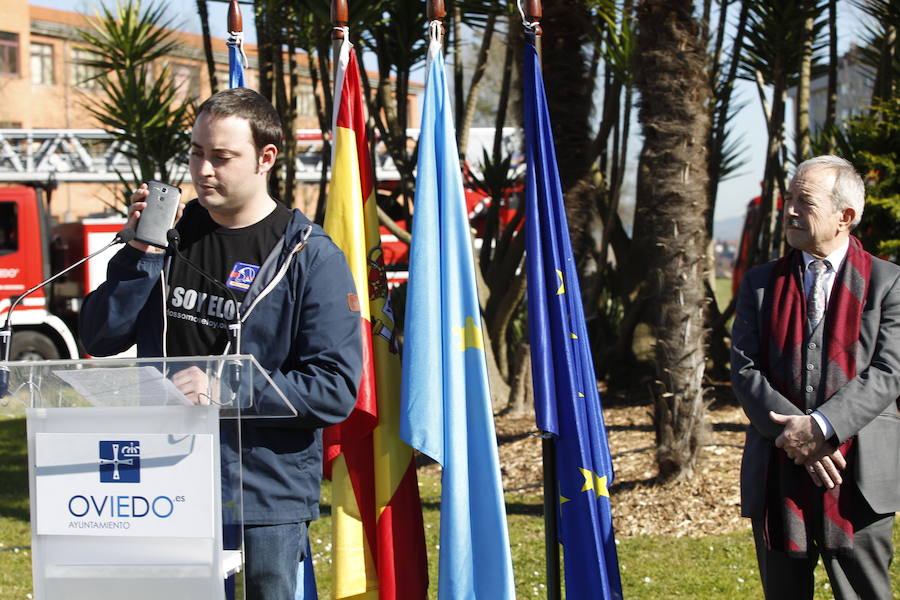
533, 14
340, 17
235, 20
435, 11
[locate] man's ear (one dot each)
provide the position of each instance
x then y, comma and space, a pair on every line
267, 158
848, 214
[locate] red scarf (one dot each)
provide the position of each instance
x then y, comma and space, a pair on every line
790, 493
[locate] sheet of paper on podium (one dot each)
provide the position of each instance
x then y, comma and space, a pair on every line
123, 386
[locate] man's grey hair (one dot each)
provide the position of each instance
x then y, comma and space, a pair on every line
849, 189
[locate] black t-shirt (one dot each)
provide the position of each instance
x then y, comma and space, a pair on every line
198, 312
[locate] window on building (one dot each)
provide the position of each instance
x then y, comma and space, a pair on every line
42, 64
187, 80
222, 78
306, 100
84, 76
9, 53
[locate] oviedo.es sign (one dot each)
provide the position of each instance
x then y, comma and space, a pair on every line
149, 485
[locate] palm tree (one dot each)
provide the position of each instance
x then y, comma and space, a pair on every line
724, 160
569, 82
140, 106
881, 48
673, 195
774, 54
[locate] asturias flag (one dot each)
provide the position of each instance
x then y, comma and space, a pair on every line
446, 403
379, 540
566, 399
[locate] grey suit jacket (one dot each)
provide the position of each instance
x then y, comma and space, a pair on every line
866, 406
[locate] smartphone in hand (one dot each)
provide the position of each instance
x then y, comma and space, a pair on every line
159, 215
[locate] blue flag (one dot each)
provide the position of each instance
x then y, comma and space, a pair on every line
445, 399
567, 403
235, 62
306, 577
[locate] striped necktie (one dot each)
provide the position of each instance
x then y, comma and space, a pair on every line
815, 305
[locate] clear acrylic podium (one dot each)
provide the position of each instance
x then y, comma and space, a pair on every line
135, 490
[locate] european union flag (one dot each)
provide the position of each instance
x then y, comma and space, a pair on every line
567, 403
445, 400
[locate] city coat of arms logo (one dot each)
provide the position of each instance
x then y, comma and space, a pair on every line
120, 462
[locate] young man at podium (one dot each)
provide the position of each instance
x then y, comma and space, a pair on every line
242, 257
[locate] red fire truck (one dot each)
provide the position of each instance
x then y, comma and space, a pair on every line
44, 323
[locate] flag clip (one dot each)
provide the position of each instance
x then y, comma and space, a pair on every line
236, 38
525, 22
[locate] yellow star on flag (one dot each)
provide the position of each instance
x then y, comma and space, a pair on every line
563, 499
562, 283
592, 481
469, 336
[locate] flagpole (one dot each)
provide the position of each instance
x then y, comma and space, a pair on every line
533, 13
340, 18
551, 537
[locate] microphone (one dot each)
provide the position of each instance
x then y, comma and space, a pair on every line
234, 328
124, 236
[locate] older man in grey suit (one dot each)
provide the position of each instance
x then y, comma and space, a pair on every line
816, 367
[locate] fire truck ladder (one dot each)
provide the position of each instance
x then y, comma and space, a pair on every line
95, 156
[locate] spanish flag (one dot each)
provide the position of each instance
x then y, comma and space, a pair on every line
378, 536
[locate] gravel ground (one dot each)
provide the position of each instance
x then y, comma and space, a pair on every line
707, 504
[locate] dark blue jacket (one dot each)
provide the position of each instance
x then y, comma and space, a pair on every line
300, 325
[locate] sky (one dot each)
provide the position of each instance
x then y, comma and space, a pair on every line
734, 194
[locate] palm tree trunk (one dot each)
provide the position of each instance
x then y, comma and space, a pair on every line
323, 105
831, 107
265, 52
882, 88
673, 196
477, 77
207, 46
458, 73
612, 93
290, 126
569, 86
720, 36
802, 143
764, 250
721, 120
280, 101
503, 103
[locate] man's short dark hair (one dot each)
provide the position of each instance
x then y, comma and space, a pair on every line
265, 124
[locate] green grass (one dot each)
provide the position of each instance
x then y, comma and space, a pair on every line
15, 532
709, 568
723, 291
720, 567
